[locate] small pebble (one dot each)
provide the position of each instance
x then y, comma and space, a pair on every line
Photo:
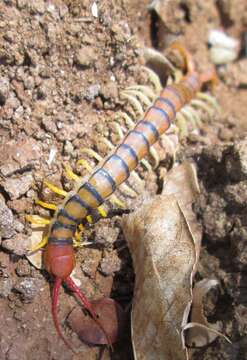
23, 268
110, 264
5, 287
236, 161
29, 287
225, 134
68, 148
92, 91
4, 90
85, 56
105, 234
6, 220
17, 245
15, 187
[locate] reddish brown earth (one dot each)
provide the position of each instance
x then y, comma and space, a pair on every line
61, 70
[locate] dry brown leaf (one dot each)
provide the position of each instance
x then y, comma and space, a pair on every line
111, 317
165, 253
164, 257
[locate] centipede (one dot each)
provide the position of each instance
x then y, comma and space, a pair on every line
105, 179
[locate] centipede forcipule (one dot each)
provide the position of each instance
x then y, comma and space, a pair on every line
59, 255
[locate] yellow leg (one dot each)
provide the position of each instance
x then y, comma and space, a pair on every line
81, 227
154, 79
77, 239
133, 101
92, 153
89, 219
147, 90
85, 164
119, 130
146, 164
116, 201
197, 103
129, 122
55, 189
37, 220
182, 125
155, 156
46, 205
40, 245
210, 99
143, 98
102, 211
70, 174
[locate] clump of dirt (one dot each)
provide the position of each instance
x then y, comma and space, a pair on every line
62, 64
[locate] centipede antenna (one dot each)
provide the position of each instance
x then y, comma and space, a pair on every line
55, 294
78, 293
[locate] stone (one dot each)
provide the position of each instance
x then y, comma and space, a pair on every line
6, 220
17, 245
29, 287
15, 187
110, 264
6, 285
4, 90
85, 56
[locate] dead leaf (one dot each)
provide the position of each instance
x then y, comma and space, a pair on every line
110, 316
165, 252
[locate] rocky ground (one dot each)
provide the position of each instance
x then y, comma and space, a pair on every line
62, 65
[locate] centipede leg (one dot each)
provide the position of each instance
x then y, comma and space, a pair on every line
154, 79
197, 103
210, 99
182, 125
55, 188
46, 205
70, 174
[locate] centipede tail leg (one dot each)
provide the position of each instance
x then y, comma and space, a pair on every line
187, 56
209, 77
88, 306
55, 295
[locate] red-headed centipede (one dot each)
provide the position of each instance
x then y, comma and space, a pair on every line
59, 257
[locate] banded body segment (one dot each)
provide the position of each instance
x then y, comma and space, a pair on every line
60, 230
159, 118
103, 182
188, 87
63, 228
117, 167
